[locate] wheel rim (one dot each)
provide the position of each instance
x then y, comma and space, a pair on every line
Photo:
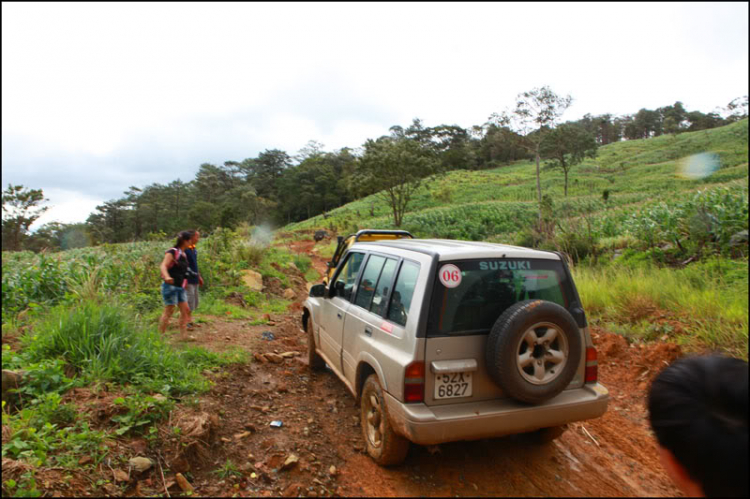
542, 353
374, 420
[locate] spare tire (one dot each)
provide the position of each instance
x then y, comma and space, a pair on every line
533, 350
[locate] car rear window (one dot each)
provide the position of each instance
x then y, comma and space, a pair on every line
479, 291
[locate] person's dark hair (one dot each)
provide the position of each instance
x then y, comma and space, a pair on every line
184, 237
698, 408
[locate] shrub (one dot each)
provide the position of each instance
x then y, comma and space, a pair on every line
104, 342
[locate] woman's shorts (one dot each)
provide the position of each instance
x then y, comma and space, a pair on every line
172, 295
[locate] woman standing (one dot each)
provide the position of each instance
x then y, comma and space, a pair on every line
174, 270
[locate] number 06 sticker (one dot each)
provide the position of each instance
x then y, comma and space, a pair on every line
450, 276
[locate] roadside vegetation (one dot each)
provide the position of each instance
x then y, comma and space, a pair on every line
86, 319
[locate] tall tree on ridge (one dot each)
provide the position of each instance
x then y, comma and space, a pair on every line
534, 115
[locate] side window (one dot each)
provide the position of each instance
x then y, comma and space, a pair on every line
383, 287
348, 275
403, 292
369, 279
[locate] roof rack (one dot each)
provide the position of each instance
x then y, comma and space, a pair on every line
364, 232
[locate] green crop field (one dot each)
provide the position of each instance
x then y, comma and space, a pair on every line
491, 203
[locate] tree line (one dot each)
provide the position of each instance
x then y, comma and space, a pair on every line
278, 188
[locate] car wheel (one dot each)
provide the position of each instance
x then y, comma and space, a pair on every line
384, 445
314, 360
533, 350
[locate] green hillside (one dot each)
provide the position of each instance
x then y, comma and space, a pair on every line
665, 257
494, 204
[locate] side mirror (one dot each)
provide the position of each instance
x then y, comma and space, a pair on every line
318, 291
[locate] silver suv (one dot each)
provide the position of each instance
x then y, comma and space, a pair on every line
442, 340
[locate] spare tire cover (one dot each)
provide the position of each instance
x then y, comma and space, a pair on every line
534, 350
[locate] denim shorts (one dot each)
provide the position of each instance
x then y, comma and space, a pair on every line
172, 295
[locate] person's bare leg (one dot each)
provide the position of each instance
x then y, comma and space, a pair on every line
184, 317
164, 320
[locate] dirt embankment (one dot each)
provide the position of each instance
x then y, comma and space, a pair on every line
318, 449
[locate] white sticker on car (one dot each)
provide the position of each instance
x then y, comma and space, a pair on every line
450, 275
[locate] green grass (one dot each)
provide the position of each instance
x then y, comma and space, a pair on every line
710, 302
328, 250
214, 304
106, 342
98, 345
228, 470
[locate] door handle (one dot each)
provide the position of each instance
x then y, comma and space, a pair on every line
338, 314
368, 331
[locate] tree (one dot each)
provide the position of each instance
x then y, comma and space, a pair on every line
567, 146
701, 121
737, 109
20, 210
268, 168
395, 169
535, 114
501, 144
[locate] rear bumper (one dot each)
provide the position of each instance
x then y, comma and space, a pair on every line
493, 418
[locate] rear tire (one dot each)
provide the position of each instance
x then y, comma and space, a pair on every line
314, 360
385, 446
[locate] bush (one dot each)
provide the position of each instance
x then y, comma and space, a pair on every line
103, 342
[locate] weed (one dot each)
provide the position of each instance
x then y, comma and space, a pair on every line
228, 469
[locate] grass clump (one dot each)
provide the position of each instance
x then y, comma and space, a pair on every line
104, 342
710, 306
227, 470
328, 250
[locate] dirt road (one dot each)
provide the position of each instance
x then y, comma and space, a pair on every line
610, 456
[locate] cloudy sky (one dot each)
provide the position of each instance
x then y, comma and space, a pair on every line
99, 97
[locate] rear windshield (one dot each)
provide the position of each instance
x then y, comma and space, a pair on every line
472, 294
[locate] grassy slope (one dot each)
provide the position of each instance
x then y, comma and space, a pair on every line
698, 306
633, 172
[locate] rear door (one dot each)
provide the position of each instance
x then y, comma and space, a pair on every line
376, 321
468, 298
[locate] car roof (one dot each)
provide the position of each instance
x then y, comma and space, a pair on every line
450, 249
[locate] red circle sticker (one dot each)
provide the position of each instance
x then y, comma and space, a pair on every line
450, 275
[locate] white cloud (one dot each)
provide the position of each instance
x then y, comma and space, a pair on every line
69, 207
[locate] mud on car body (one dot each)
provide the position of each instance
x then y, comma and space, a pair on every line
444, 340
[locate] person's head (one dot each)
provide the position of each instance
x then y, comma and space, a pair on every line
183, 239
698, 408
196, 237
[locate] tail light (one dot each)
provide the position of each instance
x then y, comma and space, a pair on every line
592, 365
414, 382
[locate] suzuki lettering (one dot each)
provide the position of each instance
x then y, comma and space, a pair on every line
504, 265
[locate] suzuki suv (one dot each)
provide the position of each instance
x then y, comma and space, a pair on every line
442, 340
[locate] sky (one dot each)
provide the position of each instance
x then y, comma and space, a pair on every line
97, 97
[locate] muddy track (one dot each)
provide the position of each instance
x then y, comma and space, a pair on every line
611, 456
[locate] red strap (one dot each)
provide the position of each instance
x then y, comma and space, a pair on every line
176, 256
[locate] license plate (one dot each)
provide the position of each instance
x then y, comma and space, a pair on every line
452, 385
